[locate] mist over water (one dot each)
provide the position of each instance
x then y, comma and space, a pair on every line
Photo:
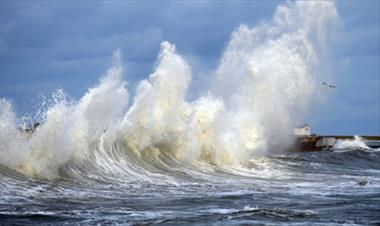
154, 143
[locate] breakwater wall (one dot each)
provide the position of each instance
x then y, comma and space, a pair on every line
321, 143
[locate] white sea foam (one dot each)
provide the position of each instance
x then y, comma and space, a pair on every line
348, 145
261, 88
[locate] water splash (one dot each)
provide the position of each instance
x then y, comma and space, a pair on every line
351, 145
261, 88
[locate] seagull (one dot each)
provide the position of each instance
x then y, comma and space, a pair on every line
328, 85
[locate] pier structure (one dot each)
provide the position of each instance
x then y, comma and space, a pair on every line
305, 141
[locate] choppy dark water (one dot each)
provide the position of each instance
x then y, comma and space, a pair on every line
296, 188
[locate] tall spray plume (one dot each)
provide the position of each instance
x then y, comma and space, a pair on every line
260, 90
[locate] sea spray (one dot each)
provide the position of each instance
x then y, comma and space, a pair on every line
70, 129
158, 113
261, 88
269, 71
348, 145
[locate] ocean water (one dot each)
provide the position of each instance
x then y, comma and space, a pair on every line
152, 156
319, 188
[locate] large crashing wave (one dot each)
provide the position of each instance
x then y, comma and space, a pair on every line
261, 88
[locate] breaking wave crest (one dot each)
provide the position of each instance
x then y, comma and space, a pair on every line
261, 88
352, 145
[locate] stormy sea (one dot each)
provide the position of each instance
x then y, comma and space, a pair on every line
154, 155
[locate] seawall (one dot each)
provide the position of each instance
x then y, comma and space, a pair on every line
321, 143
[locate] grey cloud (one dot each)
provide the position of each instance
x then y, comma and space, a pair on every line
49, 44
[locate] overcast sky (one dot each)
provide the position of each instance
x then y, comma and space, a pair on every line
47, 45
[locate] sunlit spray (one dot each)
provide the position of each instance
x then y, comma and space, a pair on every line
262, 87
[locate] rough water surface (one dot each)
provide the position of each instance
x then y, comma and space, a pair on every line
305, 188
222, 158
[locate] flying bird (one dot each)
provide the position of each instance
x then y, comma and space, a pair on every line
328, 85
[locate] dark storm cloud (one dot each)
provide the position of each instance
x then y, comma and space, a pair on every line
71, 42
